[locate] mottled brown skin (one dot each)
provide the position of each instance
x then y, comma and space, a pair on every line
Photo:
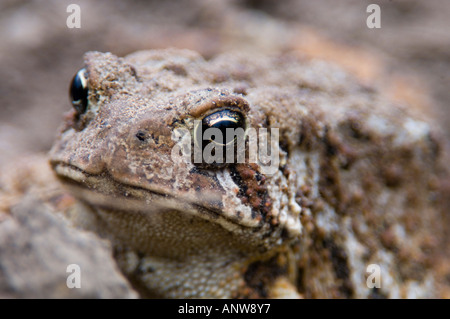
354, 185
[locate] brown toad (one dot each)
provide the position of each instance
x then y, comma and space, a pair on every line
353, 185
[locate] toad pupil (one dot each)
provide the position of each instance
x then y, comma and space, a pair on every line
79, 91
221, 121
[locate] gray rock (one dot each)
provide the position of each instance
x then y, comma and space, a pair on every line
37, 246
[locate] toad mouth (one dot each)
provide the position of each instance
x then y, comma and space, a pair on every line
102, 190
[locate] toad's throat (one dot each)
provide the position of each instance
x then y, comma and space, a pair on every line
103, 191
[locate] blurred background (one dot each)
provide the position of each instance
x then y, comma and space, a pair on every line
39, 54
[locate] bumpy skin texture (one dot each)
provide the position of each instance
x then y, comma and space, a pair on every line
354, 186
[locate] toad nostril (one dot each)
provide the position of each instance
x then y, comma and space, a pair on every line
141, 135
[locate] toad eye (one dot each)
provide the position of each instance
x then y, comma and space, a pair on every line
223, 120
79, 91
